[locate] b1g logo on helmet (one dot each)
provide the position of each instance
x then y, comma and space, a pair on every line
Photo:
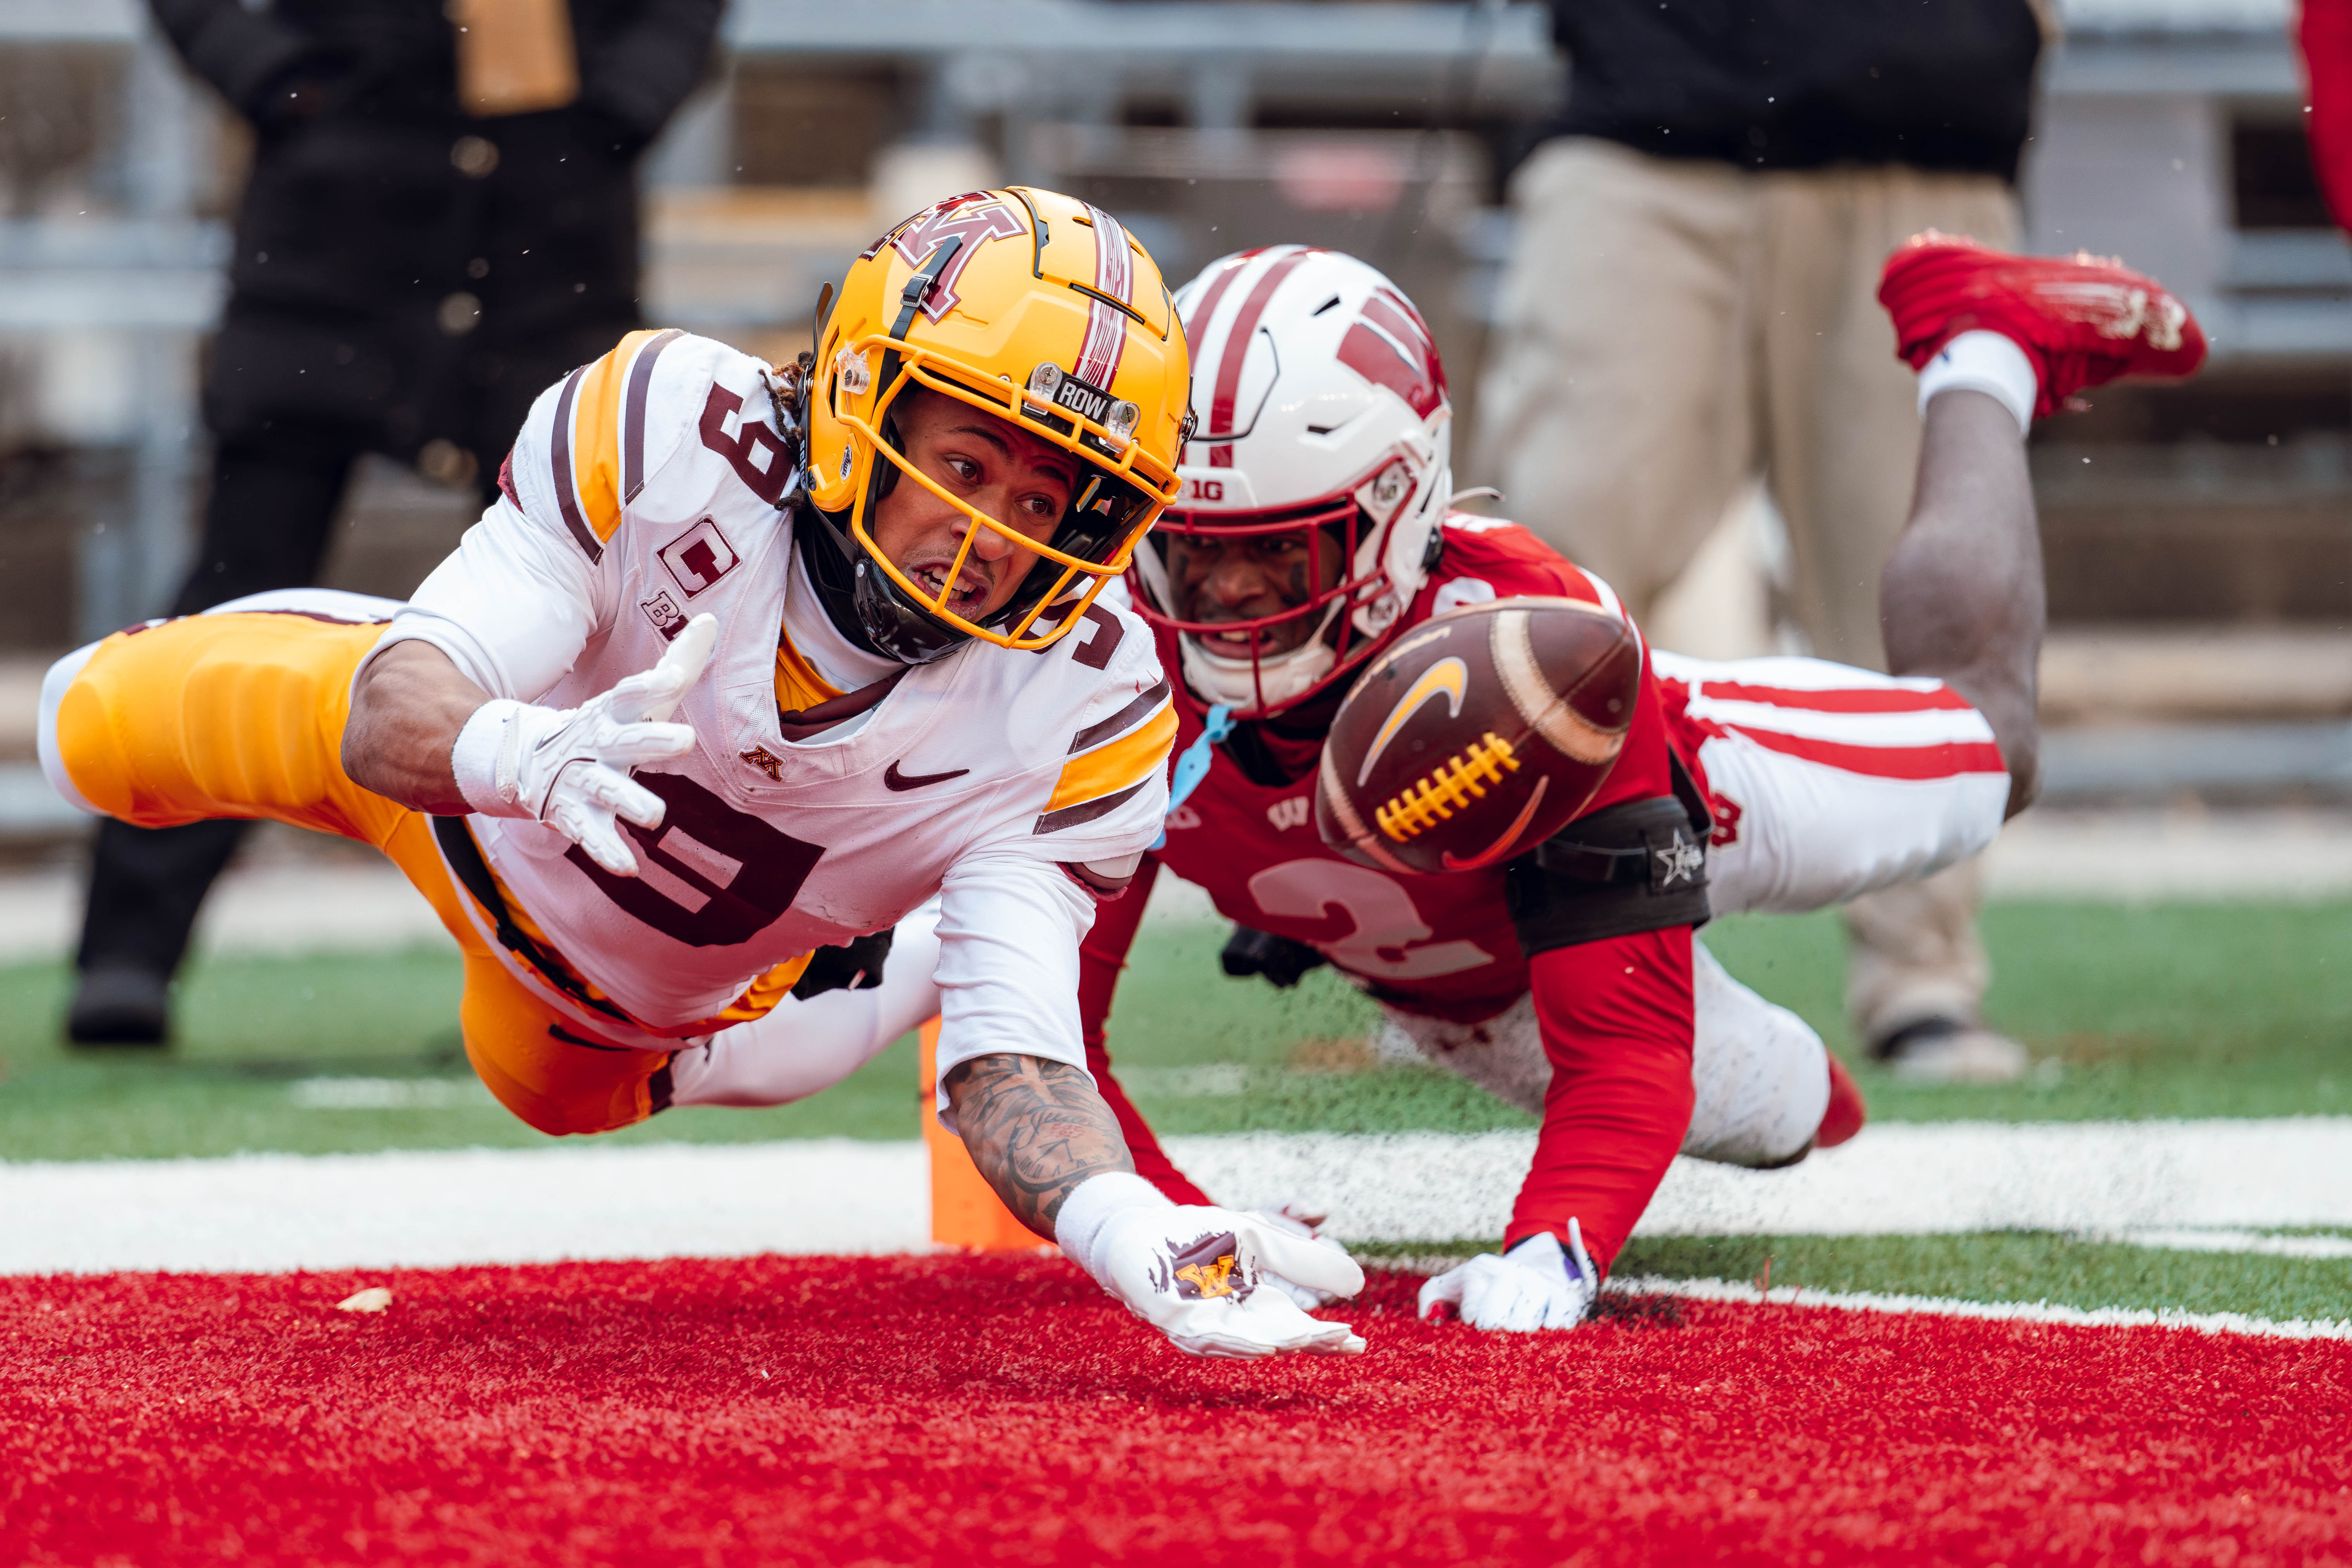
972, 217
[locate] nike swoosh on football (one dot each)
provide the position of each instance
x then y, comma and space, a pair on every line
893, 779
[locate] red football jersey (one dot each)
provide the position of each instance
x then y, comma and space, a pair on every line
1442, 946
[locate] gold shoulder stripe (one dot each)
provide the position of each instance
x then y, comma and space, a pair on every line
1115, 768
596, 436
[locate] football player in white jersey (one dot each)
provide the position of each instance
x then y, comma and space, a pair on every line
744, 666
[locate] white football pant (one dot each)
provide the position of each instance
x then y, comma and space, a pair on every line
806, 1046
1761, 1076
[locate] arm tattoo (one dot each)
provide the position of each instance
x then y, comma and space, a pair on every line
1036, 1129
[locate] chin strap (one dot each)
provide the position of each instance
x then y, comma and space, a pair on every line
1193, 765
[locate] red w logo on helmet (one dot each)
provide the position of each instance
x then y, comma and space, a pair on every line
1390, 346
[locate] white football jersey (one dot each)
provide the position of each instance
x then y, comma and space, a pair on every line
652, 487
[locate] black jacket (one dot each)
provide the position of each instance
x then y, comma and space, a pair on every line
1801, 84
367, 228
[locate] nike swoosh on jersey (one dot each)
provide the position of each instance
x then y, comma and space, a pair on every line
893, 779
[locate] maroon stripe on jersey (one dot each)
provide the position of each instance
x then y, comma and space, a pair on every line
1125, 718
1086, 810
1943, 761
565, 501
1837, 699
1235, 352
633, 415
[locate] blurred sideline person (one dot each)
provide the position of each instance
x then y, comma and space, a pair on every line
1688, 304
743, 667
441, 219
1314, 531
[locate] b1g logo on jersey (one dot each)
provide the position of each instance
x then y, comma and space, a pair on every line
700, 557
662, 612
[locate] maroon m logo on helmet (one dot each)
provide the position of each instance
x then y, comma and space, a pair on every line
972, 217
1390, 346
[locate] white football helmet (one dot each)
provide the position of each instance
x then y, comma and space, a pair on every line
1319, 408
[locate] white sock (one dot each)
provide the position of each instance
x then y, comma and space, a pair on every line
1988, 363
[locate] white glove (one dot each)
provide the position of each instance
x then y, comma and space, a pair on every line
1535, 1285
1198, 1274
1299, 1217
568, 767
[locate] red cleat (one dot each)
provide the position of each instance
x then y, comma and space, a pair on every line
2083, 320
1846, 1111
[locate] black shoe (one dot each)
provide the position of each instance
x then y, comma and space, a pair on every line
1952, 1050
121, 1006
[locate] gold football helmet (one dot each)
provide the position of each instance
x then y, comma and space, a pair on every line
1043, 311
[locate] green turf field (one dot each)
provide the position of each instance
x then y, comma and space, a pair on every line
2006, 1266
2180, 1010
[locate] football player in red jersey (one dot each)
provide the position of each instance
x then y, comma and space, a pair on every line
1317, 525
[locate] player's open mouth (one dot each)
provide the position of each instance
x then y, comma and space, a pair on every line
1263, 642
972, 586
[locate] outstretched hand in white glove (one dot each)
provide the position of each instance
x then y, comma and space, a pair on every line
1302, 1218
1199, 1274
569, 767
1538, 1284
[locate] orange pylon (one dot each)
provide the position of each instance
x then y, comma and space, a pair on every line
965, 1210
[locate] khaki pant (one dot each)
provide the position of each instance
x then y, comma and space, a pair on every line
1670, 331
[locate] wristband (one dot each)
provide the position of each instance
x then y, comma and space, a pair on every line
1984, 362
1088, 1210
474, 758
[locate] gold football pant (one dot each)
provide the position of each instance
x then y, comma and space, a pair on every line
242, 715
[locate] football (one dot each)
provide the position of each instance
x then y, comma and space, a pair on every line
1481, 735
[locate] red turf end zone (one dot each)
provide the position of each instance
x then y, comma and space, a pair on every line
960, 1410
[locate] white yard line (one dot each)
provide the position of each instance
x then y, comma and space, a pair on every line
424, 1209
270, 1213
2000, 1311
1895, 1178
2245, 1241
